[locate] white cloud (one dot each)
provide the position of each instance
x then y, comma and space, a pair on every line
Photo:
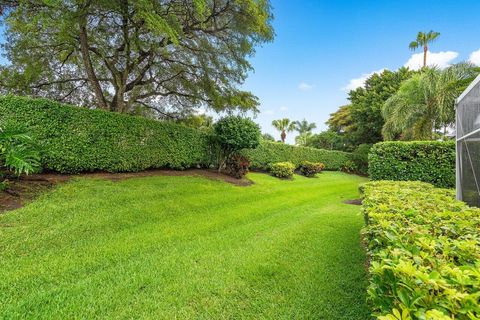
269, 112
440, 59
360, 81
305, 86
475, 57
283, 108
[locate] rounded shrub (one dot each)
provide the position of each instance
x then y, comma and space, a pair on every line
237, 166
235, 133
310, 169
282, 169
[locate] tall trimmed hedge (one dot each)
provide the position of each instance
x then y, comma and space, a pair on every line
271, 152
427, 161
77, 139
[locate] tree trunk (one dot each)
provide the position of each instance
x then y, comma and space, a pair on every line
92, 77
425, 49
118, 101
283, 136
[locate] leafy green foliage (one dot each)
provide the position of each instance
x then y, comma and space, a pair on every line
425, 103
428, 161
302, 139
201, 122
267, 137
76, 139
235, 133
367, 103
237, 165
270, 152
310, 169
423, 40
359, 157
282, 169
424, 249
18, 152
329, 140
304, 126
144, 56
284, 125
349, 166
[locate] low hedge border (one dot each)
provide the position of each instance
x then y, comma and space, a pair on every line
271, 152
427, 161
424, 250
75, 139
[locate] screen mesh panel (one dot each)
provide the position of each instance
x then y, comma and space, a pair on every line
468, 147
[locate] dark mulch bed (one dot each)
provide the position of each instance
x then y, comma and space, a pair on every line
27, 188
356, 202
22, 191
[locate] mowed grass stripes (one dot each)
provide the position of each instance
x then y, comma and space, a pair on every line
186, 248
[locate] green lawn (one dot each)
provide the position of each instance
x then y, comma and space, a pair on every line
186, 248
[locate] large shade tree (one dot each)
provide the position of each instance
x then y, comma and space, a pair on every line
129, 56
367, 103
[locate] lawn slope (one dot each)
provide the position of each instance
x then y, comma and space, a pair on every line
186, 248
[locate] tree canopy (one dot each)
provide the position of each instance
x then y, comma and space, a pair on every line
144, 56
425, 103
367, 103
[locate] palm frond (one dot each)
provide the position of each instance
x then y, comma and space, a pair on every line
22, 160
414, 45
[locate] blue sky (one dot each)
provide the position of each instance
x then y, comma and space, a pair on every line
325, 44
321, 46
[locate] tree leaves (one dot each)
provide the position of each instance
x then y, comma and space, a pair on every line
149, 57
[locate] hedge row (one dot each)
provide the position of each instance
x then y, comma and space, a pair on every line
427, 161
271, 152
77, 139
424, 250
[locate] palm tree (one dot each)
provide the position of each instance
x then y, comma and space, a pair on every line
423, 40
303, 138
304, 126
425, 103
283, 125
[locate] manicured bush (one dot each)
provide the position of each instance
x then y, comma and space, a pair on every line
428, 161
282, 169
270, 152
310, 169
424, 250
232, 134
237, 166
76, 139
235, 133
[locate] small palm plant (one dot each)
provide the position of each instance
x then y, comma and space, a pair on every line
283, 125
423, 40
18, 152
304, 128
